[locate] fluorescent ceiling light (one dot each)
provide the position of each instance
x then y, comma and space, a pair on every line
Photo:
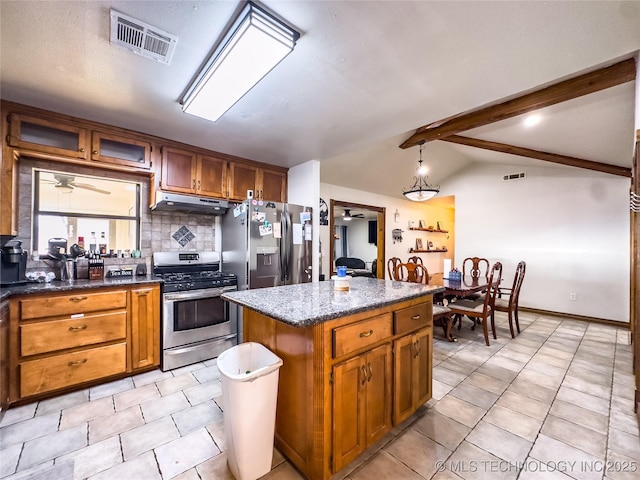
251, 48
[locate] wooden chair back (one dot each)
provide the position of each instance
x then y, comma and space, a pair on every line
411, 272
415, 259
392, 263
517, 282
475, 267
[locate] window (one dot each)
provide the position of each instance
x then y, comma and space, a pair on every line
79, 208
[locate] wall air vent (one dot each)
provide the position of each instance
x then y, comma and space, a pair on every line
141, 38
515, 176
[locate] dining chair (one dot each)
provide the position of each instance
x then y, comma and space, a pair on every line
411, 272
481, 309
510, 305
475, 267
415, 259
391, 266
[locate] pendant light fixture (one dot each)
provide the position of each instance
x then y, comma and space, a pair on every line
421, 190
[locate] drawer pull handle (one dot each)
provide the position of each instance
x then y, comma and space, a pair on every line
78, 329
78, 362
77, 299
366, 334
364, 374
143, 294
416, 317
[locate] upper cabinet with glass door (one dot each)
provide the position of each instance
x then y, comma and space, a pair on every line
47, 136
120, 150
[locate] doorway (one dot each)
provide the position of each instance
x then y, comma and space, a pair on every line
357, 230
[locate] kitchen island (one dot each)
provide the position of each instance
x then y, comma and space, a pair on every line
355, 363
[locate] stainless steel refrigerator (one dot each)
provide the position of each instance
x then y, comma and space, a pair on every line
267, 244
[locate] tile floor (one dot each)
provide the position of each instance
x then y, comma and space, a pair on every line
554, 403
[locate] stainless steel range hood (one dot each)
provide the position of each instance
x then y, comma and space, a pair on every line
178, 202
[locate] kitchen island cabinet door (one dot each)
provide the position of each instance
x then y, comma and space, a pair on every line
412, 373
144, 314
362, 403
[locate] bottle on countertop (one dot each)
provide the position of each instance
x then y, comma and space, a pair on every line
93, 243
102, 246
81, 242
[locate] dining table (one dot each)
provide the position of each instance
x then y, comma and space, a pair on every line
461, 288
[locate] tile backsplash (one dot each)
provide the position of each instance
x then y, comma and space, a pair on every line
159, 231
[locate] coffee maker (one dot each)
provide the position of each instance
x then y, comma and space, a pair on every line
13, 264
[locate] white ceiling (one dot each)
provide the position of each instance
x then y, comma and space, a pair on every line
362, 77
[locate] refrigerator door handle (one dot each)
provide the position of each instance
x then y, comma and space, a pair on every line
284, 246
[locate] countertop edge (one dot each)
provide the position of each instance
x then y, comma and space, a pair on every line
336, 313
58, 286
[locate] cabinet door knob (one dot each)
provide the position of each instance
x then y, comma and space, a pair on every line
95, 152
81, 149
194, 183
78, 329
366, 334
77, 299
364, 374
370, 372
198, 184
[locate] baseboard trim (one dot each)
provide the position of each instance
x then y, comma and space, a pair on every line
584, 318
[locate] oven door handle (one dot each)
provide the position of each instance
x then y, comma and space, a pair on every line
197, 294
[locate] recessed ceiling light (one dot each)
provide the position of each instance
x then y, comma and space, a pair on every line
532, 120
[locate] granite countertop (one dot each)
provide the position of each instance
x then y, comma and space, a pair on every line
58, 286
306, 304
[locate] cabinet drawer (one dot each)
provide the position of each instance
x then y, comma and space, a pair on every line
353, 337
82, 302
38, 376
412, 318
74, 332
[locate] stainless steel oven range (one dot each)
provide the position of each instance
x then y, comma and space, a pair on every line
196, 323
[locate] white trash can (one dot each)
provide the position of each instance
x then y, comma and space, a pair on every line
250, 374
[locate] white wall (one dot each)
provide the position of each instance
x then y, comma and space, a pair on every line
358, 245
408, 211
303, 188
570, 225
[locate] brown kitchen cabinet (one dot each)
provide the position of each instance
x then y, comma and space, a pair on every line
184, 171
361, 403
60, 341
341, 378
120, 150
412, 373
4, 357
266, 184
41, 134
144, 318
413, 357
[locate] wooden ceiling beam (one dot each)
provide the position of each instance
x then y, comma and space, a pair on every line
584, 84
539, 155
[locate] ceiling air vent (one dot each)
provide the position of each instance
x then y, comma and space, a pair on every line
515, 176
141, 38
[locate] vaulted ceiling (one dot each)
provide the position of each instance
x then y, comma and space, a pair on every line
362, 78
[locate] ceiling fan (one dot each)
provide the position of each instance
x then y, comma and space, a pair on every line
347, 215
66, 184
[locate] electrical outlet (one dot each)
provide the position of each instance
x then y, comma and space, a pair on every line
573, 296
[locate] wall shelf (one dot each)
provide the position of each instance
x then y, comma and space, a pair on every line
435, 250
428, 230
